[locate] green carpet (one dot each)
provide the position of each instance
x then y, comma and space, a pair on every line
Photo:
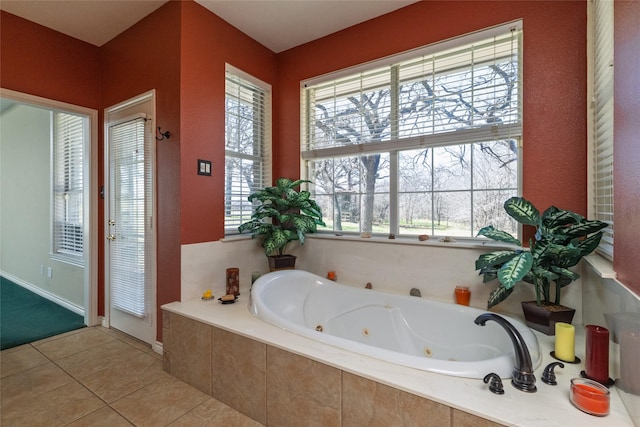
27, 317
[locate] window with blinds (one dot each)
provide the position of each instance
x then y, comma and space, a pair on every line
69, 134
425, 142
603, 121
247, 145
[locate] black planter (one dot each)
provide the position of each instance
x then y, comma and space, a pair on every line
282, 262
544, 318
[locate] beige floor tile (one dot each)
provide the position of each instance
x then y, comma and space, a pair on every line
32, 383
103, 417
94, 359
56, 407
140, 345
27, 357
214, 413
14, 349
159, 403
115, 382
62, 335
68, 380
66, 345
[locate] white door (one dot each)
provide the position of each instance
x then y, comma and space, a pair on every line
130, 230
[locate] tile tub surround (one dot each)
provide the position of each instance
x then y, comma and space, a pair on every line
379, 383
390, 265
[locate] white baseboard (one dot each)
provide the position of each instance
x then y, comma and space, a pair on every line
45, 294
157, 347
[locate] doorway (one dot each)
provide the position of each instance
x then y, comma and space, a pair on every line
52, 247
130, 252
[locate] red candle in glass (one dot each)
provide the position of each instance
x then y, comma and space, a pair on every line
597, 350
589, 396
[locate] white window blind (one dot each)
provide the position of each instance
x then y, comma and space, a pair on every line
248, 145
131, 181
68, 186
603, 121
423, 142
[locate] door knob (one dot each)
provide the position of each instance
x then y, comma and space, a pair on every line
112, 222
111, 237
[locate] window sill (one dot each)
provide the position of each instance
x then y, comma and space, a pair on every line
235, 238
602, 266
460, 243
75, 261
457, 242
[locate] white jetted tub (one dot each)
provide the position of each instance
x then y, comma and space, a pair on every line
410, 331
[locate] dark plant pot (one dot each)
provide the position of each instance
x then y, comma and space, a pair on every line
282, 262
544, 318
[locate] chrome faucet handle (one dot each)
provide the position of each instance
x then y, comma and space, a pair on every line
495, 383
548, 376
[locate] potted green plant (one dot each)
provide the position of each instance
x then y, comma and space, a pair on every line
282, 215
562, 238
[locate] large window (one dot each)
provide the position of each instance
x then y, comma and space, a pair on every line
248, 144
426, 142
70, 132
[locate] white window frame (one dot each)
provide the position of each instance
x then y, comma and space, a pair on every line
62, 247
392, 147
240, 192
600, 120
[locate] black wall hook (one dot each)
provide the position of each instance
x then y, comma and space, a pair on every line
163, 135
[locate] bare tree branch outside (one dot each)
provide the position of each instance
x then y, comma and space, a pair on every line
451, 188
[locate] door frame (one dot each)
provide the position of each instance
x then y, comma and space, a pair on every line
149, 96
90, 195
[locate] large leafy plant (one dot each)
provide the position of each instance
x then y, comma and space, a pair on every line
562, 238
282, 215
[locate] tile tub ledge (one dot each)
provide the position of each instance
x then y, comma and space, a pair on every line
514, 408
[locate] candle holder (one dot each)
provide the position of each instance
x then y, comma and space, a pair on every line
589, 396
607, 383
575, 360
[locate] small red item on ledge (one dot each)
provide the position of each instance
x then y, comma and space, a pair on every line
463, 295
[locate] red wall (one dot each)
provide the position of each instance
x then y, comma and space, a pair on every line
42, 62
181, 50
627, 142
208, 43
145, 57
554, 81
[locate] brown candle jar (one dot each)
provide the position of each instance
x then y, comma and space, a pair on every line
233, 281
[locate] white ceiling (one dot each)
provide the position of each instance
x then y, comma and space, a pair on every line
277, 24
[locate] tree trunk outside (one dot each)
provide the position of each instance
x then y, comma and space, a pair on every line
370, 164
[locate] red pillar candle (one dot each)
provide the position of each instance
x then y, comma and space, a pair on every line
597, 351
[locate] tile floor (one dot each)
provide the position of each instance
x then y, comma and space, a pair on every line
100, 377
